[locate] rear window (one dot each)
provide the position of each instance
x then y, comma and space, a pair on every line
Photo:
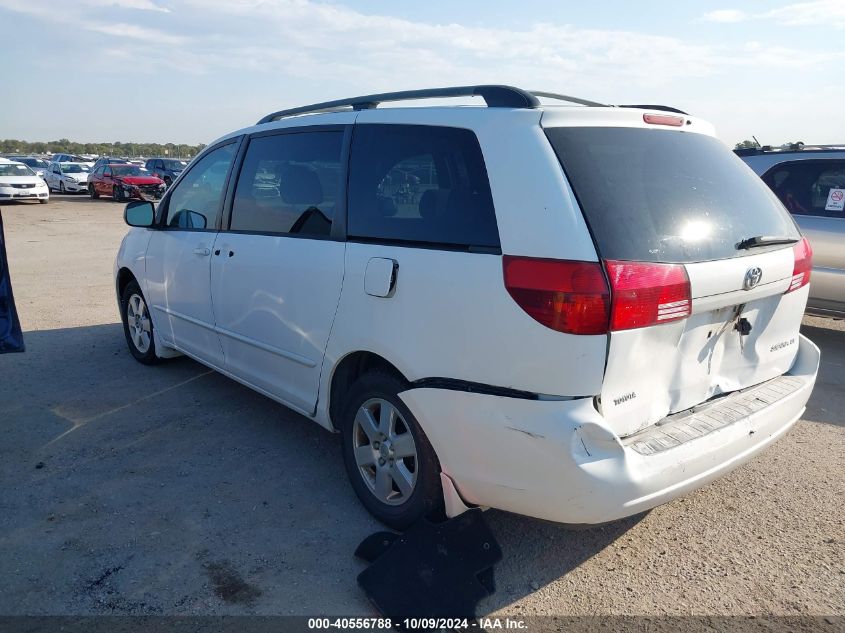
666, 196
420, 184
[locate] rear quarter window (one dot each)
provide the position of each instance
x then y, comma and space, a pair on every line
419, 184
666, 196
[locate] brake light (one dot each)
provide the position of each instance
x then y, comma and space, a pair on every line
664, 119
803, 265
567, 296
646, 294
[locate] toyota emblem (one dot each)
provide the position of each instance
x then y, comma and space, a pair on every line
752, 278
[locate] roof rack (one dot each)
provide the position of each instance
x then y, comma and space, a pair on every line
791, 147
663, 108
495, 97
554, 95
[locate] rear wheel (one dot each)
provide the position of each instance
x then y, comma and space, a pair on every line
137, 324
389, 460
93, 192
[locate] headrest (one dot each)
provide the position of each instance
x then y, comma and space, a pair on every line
300, 185
433, 202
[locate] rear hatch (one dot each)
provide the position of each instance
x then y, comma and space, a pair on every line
706, 269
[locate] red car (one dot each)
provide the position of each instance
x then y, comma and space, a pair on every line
123, 182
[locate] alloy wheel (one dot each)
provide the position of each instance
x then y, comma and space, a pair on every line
385, 451
138, 321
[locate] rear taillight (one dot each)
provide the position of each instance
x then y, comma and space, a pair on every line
647, 294
566, 296
574, 297
803, 265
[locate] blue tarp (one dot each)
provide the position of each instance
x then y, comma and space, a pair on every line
11, 337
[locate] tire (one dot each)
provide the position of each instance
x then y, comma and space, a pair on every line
93, 192
62, 187
43, 200
375, 473
137, 329
117, 194
167, 181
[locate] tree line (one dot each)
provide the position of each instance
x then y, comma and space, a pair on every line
65, 146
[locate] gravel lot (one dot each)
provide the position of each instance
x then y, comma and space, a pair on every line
173, 490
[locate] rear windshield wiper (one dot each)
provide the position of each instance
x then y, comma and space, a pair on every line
764, 240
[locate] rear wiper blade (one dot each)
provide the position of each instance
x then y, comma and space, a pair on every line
765, 240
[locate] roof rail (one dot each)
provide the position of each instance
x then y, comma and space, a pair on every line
495, 96
654, 107
554, 95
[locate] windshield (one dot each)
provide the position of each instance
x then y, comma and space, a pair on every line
33, 162
666, 196
129, 170
74, 168
175, 165
12, 169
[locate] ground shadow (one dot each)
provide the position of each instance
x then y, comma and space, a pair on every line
145, 484
825, 404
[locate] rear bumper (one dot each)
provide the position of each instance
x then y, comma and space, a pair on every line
558, 460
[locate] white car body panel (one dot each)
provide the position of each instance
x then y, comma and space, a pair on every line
558, 460
178, 292
273, 330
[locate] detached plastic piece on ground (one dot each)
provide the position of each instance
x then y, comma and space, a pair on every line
433, 570
11, 338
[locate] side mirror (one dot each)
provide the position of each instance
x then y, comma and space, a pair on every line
139, 213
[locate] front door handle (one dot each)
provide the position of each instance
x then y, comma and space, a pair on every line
204, 252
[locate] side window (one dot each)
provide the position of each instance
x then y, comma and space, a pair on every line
424, 184
289, 183
107, 171
196, 202
810, 187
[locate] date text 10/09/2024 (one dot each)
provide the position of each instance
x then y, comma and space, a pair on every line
417, 623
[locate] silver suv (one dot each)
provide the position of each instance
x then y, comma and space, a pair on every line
810, 182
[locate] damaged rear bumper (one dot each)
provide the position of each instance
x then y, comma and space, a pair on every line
558, 460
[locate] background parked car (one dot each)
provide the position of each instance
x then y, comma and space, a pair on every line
67, 158
108, 160
810, 182
68, 177
168, 169
122, 181
19, 182
34, 163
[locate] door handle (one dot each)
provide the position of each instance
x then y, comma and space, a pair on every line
204, 252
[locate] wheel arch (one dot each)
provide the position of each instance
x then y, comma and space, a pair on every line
347, 370
124, 278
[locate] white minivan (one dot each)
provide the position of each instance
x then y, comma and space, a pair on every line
570, 312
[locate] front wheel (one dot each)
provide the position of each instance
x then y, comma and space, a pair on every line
137, 324
389, 460
62, 187
117, 194
93, 192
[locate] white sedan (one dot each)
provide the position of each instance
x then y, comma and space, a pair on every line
19, 182
67, 177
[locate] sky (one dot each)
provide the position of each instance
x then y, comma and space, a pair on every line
189, 71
